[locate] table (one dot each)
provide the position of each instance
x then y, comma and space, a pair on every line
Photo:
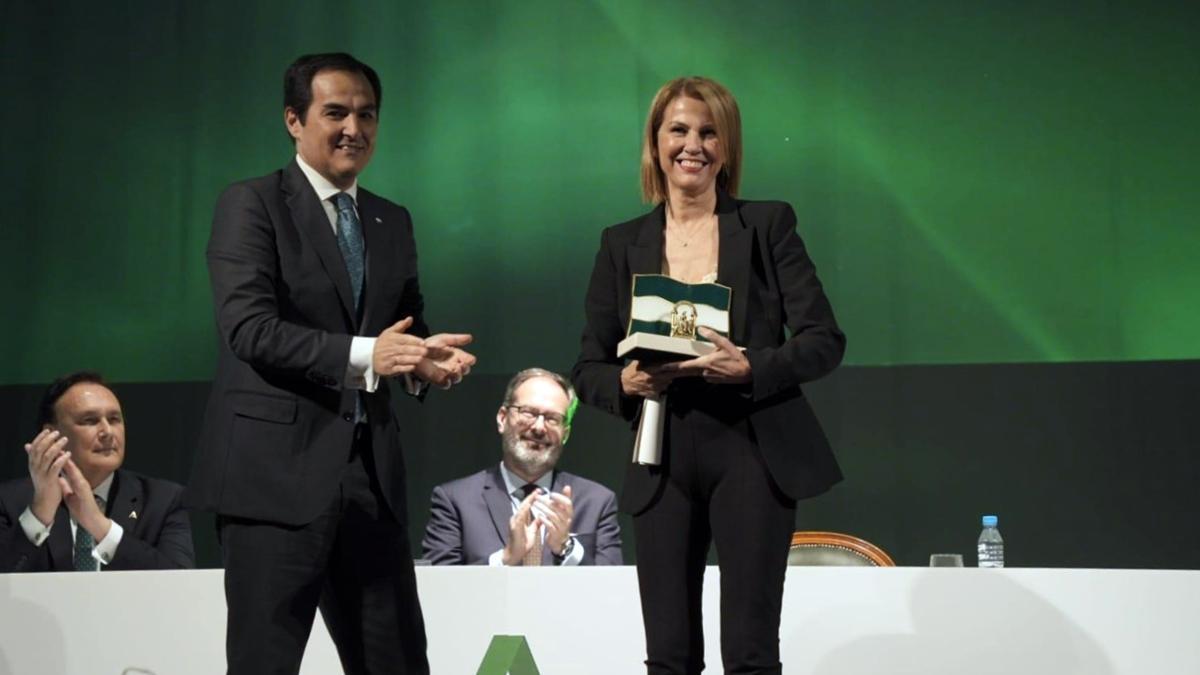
837, 621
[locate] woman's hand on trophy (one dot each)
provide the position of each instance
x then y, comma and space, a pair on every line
646, 381
725, 365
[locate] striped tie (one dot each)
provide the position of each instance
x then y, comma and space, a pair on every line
85, 543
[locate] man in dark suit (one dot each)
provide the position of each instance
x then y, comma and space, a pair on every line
317, 303
523, 511
78, 510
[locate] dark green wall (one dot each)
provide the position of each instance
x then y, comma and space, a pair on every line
1000, 198
978, 182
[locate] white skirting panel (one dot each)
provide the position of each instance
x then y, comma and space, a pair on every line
836, 621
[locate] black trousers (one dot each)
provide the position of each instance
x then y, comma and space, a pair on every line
717, 490
353, 560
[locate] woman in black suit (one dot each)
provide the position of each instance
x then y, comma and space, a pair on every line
741, 443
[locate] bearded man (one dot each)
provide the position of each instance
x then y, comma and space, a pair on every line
524, 511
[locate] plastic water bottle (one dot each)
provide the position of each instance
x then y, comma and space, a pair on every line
991, 545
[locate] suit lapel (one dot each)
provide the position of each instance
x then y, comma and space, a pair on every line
125, 501
645, 255
376, 236
733, 261
499, 505
310, 219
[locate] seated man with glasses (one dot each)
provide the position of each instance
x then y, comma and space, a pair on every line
523, 511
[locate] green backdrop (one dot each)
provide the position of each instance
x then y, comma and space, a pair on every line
978, 182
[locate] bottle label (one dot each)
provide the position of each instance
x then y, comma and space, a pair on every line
990, 556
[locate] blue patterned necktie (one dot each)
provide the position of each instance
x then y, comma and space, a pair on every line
350, 241
84, 543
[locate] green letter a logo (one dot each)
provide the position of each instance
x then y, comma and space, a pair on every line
508, 655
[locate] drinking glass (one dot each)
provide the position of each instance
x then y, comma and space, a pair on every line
946, 560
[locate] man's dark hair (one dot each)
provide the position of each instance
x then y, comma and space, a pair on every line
59, 387
297, 81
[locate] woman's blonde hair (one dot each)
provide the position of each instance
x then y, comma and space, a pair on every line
726, 118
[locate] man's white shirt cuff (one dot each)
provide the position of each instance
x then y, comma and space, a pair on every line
575, 557
360, 370
413, 386
107, 548
35, 531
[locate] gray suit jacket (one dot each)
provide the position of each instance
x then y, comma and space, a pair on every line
468, 520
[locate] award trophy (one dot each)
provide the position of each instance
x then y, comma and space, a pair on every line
663, 320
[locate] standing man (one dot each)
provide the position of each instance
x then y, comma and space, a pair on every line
78, 509
523, 511
317, 303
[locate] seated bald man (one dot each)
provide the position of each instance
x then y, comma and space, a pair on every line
523, 511
78, 510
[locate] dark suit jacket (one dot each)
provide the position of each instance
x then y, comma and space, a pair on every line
468, 520
775, 286
158, 537
278, 426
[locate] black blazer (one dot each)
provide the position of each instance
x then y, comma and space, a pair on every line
158, 534
775, 286
278, 426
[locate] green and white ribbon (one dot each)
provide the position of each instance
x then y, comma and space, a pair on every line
655, 297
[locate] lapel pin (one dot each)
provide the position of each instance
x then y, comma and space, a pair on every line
133, 515
378, 219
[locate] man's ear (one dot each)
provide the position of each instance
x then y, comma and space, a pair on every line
501, 415
569, 417
293, 122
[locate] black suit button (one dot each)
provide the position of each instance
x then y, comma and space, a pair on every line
349, 416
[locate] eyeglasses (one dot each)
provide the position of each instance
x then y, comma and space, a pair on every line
530, 416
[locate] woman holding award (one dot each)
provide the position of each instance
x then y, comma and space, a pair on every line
739, 442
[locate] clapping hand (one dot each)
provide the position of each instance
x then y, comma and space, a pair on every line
556, 511
81, 502
524, 532
396, 352
446, 363
47, 456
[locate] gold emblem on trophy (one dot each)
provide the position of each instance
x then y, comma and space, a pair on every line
683, 320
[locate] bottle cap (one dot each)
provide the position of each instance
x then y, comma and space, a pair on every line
990, 521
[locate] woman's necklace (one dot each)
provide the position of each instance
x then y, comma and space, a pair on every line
705, 224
